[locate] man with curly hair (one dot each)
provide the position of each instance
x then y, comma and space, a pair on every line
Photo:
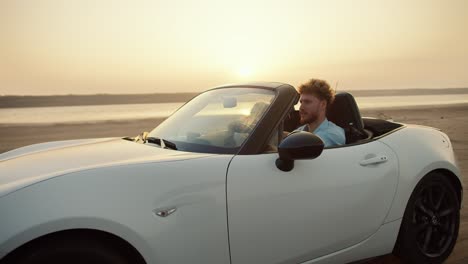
316, 96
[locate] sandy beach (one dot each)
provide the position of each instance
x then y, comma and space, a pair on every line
453, 120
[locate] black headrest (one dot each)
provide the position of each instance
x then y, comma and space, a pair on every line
344, 112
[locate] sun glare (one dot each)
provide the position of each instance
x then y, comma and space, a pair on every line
244, 111
245, 71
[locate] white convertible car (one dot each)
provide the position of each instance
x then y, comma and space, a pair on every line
217, 183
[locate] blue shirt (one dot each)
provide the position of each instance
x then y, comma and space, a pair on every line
330, 133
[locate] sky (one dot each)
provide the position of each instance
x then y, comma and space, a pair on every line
142, 46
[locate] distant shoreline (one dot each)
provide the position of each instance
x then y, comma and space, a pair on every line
16, 101
369, 112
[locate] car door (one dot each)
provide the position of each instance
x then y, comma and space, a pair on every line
321, 206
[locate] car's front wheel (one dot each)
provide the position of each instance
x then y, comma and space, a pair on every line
76, 250
430, 224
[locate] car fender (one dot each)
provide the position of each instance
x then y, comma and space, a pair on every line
420, 150
68, 224
124, 200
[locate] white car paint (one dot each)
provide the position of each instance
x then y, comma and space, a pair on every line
120, 197
320, 207
41, 147
328, 210
341, 212
380, 243
420, 150
25, 166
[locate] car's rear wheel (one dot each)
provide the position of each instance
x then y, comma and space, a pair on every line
430, 224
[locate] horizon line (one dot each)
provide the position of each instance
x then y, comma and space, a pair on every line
198, 92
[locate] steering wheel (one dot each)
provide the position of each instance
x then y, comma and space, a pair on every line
239, 127
194, 137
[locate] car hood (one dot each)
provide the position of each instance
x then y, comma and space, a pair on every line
28, 165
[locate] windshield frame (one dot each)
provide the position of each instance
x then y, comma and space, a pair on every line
286, 97
202, 148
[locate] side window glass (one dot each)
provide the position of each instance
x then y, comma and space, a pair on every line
273, 142
292, 120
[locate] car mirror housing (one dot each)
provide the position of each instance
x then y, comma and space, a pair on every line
296, 146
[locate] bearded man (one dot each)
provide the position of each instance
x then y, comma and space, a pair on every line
316, 96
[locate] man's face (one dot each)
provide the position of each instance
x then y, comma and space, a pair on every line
311, 108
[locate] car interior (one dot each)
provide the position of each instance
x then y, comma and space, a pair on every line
345, 113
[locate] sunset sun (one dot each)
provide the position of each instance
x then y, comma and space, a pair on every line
245, 71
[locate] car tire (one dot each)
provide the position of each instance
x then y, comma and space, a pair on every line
70, 251
430, 224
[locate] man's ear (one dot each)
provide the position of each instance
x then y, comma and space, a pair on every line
323, 105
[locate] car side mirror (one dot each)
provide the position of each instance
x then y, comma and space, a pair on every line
296, 146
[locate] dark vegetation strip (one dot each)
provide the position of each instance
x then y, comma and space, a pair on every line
10, 101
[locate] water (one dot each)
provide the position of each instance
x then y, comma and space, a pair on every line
88, 113
373, 102
96, 113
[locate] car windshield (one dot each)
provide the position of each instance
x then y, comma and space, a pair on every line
216, 121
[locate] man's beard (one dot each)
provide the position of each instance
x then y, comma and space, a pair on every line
310, 118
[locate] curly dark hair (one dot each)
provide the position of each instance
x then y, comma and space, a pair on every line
319, 88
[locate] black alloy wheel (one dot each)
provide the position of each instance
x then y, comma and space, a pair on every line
435, 219
431, 221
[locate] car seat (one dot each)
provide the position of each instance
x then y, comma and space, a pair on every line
344, 112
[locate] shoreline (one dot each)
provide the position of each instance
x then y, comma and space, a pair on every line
20, 101
160, 119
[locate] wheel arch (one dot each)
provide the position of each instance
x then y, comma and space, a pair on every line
454, 180
24, 234
115, 241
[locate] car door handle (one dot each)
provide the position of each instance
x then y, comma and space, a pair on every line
374, 160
